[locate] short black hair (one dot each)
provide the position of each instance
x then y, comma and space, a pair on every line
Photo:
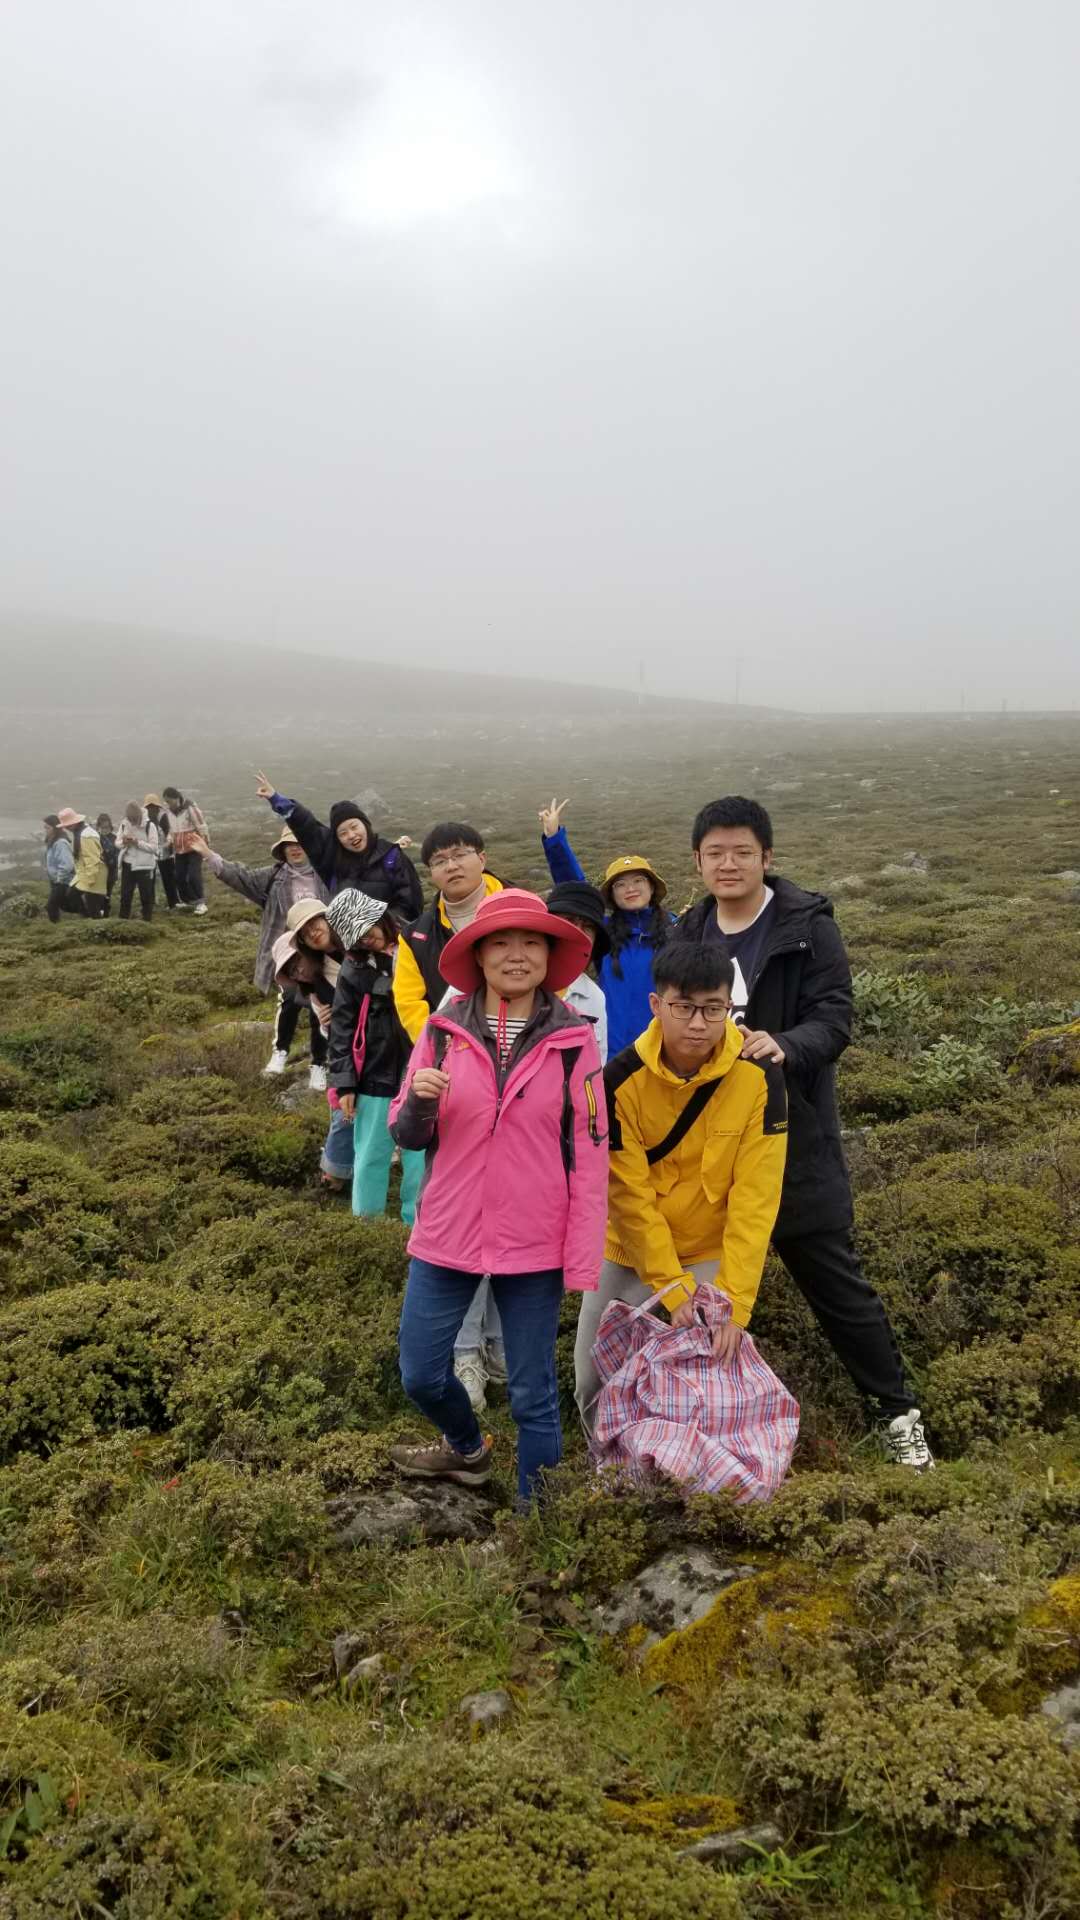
733, 811
449, 833
693, 966
175, 791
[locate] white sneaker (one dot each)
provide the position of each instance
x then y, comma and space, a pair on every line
317, 1080
277, 1062
470, 1370
199, 907
904, 1441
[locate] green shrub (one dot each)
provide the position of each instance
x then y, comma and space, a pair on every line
894, 1009
953, 1071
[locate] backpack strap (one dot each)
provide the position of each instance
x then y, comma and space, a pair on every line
692, 1111
617, 1071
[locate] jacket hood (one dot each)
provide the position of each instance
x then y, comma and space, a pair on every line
550, 1015
793, 907
719, 1062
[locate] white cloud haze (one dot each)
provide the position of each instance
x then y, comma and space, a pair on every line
554, 337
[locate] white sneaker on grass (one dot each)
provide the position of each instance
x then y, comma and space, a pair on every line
904, 1441
199, 907
317, 1080
470, 1370
277, 1062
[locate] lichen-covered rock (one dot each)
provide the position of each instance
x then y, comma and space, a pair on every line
667, 1596
420, 1514
781, 1612
1050, 1055
731, 1849
486, 1711
1063, 1707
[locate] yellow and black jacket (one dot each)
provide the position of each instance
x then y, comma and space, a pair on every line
714, 1194
419, 987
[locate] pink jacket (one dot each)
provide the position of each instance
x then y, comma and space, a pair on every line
517, 1181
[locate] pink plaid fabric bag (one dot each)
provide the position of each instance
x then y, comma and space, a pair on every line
666, 1406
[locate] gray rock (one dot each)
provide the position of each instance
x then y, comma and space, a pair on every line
365, 1671
297, 1095
670, 1594
485, 1711
733, 1848
1063, 1707
425, 1511
345, 1649
917, 862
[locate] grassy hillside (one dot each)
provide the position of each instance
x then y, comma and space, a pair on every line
198, 1379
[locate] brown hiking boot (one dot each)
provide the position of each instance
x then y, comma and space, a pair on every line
441, 1462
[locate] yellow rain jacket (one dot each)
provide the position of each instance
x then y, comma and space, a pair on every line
419, 987
91, 873
715, 1195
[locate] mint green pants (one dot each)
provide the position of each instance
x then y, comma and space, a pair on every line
373, 1150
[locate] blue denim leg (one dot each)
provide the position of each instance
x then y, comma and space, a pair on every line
337, 1153
435, 1304
471, 1332
529, 1305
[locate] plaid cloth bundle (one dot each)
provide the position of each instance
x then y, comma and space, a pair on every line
666, 1406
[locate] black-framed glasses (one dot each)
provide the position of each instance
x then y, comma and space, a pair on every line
710, 1010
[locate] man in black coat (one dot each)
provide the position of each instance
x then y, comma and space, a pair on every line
792, 994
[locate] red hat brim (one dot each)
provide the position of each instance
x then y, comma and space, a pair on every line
569, 953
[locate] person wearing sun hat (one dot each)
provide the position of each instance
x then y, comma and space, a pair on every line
288, 877
60, 869
636, 923
369, 1049
91, 876
504, 1094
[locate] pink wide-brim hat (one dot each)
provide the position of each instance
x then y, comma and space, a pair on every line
67, 817
515, 911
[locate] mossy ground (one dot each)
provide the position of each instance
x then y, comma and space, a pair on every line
197, 1351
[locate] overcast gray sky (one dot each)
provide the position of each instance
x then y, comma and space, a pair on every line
554, 335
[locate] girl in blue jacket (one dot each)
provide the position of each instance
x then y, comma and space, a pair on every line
636, 926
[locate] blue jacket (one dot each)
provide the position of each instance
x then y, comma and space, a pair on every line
60, 863
626, 992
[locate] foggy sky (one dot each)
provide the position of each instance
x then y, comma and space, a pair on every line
552, 337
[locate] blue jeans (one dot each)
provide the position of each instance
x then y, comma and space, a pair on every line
436, 1302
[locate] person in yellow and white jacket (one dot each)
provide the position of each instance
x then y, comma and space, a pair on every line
698, 1140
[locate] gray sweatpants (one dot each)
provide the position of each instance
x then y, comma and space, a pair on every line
616, 1283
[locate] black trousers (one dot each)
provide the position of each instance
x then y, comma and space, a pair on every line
825, 1268
189, 878
63, 898
94, 905
289, 1008
167, 870
134, 880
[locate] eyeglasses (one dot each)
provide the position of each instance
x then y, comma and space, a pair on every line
452, 857
710, 1010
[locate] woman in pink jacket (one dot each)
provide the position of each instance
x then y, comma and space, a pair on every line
504, 1091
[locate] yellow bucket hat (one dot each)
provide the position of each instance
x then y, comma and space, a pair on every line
633, 863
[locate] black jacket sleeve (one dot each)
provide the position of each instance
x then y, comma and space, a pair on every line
348, 999
822, 1026
406, 894
316, 839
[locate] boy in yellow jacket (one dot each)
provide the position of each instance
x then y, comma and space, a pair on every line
698, 1138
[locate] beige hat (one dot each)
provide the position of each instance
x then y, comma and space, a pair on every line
301, 912
151, 800
286, 838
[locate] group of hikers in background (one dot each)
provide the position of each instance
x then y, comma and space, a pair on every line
586, 1092
82, 860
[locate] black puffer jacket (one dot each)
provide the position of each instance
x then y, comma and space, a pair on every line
382, 871
801, 994
364, 1025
